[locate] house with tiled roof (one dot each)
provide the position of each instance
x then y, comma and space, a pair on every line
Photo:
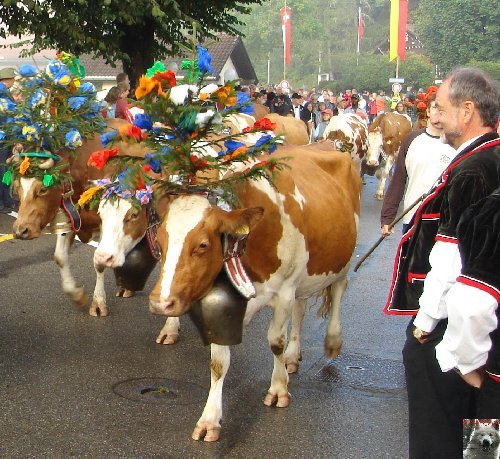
230, 61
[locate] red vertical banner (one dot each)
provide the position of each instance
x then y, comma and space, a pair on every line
286, 27
361, 25
403, 20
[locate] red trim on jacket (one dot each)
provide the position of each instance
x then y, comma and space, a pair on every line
412, 277
493, 376
418, 215
444, 238
493, 291
431, 216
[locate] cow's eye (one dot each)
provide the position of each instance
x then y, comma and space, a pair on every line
43, 191
202, 247
134, 215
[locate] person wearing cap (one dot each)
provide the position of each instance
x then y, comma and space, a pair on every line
355, 109
326, 116
7, 203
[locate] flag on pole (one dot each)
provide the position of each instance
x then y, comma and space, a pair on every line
361, 27
399, 18
286, 27
361, 24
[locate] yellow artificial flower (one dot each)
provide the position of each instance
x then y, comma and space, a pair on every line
87, 195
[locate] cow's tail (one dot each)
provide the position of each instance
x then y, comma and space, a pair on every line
326, 303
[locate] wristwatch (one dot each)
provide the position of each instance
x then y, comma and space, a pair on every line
419, 333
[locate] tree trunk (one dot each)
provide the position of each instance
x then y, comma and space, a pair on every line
138, 44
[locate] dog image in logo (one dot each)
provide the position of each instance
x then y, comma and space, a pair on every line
484, 441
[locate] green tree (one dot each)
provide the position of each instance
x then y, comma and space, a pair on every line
455, 32
135, 32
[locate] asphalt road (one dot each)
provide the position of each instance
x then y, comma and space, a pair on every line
84, 387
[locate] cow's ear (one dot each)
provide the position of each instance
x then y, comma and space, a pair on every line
240, 221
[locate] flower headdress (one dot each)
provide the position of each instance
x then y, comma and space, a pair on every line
56, 111
183, 128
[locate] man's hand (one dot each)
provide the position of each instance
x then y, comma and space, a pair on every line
385, 231
475, 378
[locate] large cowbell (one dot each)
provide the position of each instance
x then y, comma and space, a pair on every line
218, 316
137, 267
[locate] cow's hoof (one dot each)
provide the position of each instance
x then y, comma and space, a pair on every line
170, 338
79, 297
292, 367
206, 433
333, 345
98, 310
128, 293
281, 401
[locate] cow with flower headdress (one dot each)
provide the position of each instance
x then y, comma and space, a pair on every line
243, 228
55, 127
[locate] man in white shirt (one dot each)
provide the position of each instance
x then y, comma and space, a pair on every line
449, 346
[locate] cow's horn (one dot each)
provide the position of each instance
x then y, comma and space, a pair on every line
47, 164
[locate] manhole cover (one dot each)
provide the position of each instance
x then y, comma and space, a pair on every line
160, 391
362, 372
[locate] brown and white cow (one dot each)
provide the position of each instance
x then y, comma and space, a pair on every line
38, 206
293, 130
301, 238
385, 135
348, 133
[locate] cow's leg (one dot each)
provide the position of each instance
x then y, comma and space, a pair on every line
333, 339
98, 306
61, 256
208, 426
293, 354
384, 173
170, 331
277, 336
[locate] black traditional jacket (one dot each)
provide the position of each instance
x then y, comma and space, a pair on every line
471, 176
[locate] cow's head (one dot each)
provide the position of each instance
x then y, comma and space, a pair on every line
123, 225
375, 147
190, 240
38, 206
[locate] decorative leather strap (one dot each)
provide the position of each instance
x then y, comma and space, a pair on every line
69, 207
233, 247
151, 232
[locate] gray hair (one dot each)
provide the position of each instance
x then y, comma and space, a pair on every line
470, 83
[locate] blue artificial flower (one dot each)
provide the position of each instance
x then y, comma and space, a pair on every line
233, 145
73, 139
58, 73
27, 70
262, 141
154, 162
2, 135
243, 104
4, 89
87, 88
34, 82
143, 121
108, 137
204, 60
6, 105
38, 98
76, 102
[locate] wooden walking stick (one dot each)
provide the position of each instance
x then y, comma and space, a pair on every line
391, 225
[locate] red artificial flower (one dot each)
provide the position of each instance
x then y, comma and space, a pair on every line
146, 168
265, 124
197, 162
166, 78
99, 158
131, 131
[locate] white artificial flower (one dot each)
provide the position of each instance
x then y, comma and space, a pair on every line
179, 94
208, 89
